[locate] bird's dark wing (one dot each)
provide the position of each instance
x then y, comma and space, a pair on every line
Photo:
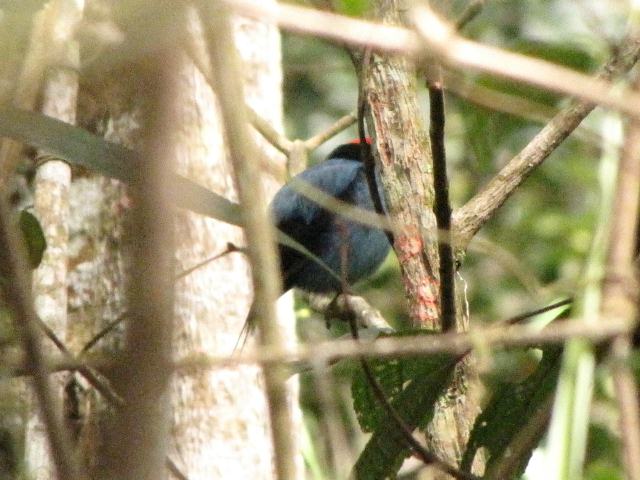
304, 220
292, 210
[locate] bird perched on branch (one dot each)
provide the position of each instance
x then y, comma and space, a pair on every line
346, 251
351, 250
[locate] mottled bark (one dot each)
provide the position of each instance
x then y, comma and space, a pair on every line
51, 205
220, 422
404, 156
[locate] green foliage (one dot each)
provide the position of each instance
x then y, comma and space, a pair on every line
392, 375
509, 411
355, 8
34, 239
413, 386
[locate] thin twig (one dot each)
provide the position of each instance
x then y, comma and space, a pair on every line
341, 124
471, 11
270, 134
88, 373
104, 332
524, 316
442, 207
516, 336
231, 248
13, 268
500, 337
419, 450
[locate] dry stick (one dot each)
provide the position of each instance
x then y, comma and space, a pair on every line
261, 248
619, 291
517, 336
341, 124
231, 248
138, 447
438, 37
471, 217
471, 11
442, 207
16, 286
444, 44
269, 133
88, 373
524, 316
275, 138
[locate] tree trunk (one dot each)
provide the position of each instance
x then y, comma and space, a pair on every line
220, 419
404, 155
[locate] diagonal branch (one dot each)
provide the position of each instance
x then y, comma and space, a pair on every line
481, 208
439, 40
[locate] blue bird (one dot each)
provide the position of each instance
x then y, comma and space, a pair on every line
337, 241
334, 239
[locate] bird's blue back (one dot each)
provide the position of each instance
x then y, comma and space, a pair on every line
326, 234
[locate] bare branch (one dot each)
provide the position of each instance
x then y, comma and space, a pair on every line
261, 247
331, 26
619, 291
341, 124
275, 138
437, 37
447, 46
515, 336
472, 216
138, 448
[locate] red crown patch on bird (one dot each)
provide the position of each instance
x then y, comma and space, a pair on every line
357, 140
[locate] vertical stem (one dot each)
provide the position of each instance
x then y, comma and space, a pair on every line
442, 207
141, 428
619, 283
259, 231
570, 418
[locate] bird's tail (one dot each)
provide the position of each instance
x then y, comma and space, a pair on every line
247, 329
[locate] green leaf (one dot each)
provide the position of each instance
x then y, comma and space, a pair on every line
508, 413
34, 239
413, 386
354, 8
79, 147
